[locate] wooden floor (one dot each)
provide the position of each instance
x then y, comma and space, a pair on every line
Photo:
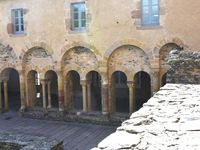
76, 136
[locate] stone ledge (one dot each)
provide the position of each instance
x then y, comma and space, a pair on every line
91, 118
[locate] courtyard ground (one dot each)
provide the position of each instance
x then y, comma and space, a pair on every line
75, 136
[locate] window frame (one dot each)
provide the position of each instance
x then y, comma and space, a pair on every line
150, 14
20, 19
80, 27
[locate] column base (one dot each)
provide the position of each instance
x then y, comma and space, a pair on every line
48, 107
22, 109
61, 109
105, 113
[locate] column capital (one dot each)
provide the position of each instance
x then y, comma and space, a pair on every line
43, 81
89, 82
130, 84
83, 82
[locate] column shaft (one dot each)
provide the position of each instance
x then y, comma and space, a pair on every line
49, 94
60, 91
132, 100
104, 95
89, 95
84, 91
22, 92
44, 94
6, 95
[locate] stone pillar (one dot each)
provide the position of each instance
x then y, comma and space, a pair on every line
89, 95
49, 94
22, 91
60, 91
104, 96
1, 108
5, 83
84, 92
132, 100
155, 82
65, 96
43, 83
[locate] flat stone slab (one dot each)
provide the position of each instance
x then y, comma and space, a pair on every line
170, 120
13, 141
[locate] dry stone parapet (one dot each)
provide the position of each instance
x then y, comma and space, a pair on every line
170, 120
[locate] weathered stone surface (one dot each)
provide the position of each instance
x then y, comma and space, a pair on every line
184, 67
12, 141
171, 122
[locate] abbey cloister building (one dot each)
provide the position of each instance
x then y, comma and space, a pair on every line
90, 55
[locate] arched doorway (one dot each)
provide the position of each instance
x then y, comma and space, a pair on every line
52, 89
143, 88
74, 92
34, 89
120, 92
10, 90
94, 91
164, 79
163, 58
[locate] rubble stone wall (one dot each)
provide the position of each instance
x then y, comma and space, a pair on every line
184, 67
169, 120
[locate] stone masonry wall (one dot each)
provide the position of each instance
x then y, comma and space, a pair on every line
170, 120
184, 67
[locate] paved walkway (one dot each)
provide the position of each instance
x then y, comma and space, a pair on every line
75, 136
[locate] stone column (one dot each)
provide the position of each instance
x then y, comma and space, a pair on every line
65, 96
43, 83
104, 97
89, 95
22, 91
60, 91
0, 98
49, 94
155, 82
84, 92
132, 100
5, 83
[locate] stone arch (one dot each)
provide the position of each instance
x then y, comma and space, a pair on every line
7, 56
73, 92
94, 91
163, 42
37, 58
128, 59
37, 44
10, 89
163, 58
80, 59
142, 82
79, 44
34, 89
118, 44
51, 79
119, 92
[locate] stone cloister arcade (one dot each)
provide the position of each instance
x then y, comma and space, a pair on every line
79, 82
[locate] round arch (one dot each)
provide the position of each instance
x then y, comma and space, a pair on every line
128, 59
142, 88
10, 89
66, 48
94, 91
119, 93
73, 92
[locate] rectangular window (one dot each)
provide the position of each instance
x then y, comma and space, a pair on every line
18, 21
78, 16
150, 12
